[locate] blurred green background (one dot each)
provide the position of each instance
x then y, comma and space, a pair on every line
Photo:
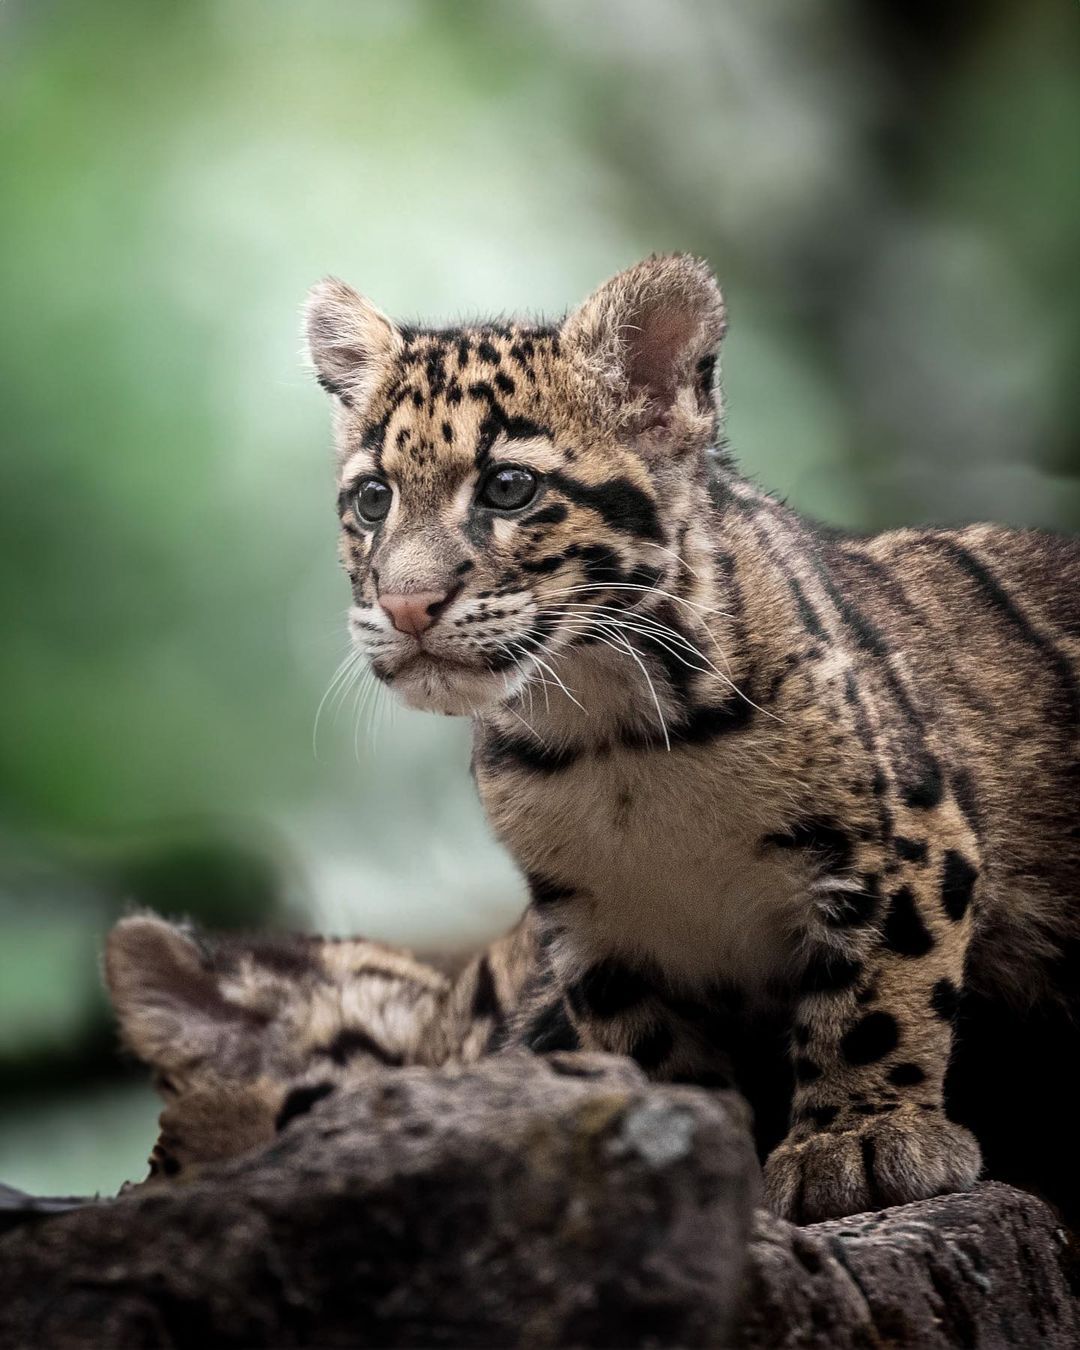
890, 194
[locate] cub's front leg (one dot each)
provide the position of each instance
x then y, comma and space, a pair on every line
871, 1041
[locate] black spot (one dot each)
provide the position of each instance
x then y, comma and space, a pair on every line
552, 1030
652, 1047
821, 836
504, 383
352, 1041
928, 788
448, 433
486, 352
806, 1071
300, 1101
870, 1039
609, 988
827, 971
823, 1116
945, 1000
707, 723
485, 999
462, 568
520, 752
904, 931
801, 1034
957, 885
911, 850
906, 1075
868, 1146
544, 891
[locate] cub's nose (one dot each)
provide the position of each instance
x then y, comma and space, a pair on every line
415, 613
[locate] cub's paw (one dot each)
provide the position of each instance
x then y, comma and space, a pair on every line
886, 1160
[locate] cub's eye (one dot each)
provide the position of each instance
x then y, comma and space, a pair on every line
371, 500
507, 487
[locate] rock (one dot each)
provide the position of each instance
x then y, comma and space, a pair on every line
554, 1202
990, 1268
560, 1202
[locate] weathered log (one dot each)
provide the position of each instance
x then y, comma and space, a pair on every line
524, 1202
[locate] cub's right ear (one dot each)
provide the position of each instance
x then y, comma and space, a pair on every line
170, 1006
348, 340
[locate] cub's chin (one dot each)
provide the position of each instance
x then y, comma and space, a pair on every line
433, 685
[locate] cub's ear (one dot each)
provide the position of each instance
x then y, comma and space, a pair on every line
646, 343
170, 1006
348, 339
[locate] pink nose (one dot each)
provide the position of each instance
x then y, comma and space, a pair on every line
415, 613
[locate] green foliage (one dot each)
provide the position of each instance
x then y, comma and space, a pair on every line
892, 203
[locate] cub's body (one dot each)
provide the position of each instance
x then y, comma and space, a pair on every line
793, 807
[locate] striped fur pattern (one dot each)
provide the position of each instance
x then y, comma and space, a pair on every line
771, 786
244, 1034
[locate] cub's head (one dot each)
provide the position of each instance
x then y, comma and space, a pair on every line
244, 1034
502, 488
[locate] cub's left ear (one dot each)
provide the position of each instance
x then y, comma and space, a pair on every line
646, 344
348, 339
171, 1008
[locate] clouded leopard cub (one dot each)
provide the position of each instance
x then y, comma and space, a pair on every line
769, 784
794, 808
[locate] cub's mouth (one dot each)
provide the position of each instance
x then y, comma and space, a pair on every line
433, 683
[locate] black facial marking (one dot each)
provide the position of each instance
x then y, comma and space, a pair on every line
945, 1000
300, 1101
906, 1075
543, 566
619, 503
351, 1042
870, 1039
957, 885
904, 931
554, 514
609, 988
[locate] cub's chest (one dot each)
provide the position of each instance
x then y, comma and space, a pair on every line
659, 856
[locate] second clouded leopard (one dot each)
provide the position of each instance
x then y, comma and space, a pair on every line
766, 781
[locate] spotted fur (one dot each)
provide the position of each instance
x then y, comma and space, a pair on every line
247, 1033
768, 783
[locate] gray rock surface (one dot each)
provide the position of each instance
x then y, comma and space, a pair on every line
525, 1202
987, 1269
543, 1203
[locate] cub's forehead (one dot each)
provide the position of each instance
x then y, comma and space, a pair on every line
449, 396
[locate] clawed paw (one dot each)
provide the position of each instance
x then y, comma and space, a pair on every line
887, 1160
